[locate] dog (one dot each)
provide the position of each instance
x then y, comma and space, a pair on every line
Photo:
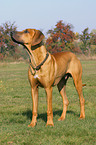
47, 70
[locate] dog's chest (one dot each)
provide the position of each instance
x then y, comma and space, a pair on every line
36, 76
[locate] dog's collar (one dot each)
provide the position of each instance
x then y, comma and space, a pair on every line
36, 46
38, 66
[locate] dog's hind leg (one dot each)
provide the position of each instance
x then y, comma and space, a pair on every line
78, 84
62, 89
65, 103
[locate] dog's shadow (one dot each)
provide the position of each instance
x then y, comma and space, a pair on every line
43, 116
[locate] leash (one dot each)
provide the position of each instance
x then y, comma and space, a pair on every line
38, 66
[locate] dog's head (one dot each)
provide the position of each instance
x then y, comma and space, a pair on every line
27, 37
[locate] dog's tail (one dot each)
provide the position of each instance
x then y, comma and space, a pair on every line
83, 85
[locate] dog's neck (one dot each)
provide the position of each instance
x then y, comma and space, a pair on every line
37, 53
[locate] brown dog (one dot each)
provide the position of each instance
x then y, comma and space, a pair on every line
48, 70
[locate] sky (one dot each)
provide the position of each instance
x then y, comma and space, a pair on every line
44, 14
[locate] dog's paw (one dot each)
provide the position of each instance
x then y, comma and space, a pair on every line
82, 117
32, 124
50, 123
61, 118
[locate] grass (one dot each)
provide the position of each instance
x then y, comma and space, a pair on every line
16, 104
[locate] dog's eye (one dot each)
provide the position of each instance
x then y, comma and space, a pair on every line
26, 31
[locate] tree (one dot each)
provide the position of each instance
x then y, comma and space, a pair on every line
85, 38
93, 37
59, 37
93, 31
7, 46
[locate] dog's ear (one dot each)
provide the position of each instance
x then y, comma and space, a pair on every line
37, 38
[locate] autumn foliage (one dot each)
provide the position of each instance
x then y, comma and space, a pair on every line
7, 46
93, 39
59, 37
87, 39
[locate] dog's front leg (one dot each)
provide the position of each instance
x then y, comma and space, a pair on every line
34, 92
49, 107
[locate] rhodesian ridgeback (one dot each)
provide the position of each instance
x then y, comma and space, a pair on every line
48, 70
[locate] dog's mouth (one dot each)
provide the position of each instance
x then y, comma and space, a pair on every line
15, 37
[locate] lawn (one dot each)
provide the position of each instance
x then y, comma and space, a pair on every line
16, 108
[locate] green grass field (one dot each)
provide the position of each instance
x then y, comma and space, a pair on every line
16, 105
